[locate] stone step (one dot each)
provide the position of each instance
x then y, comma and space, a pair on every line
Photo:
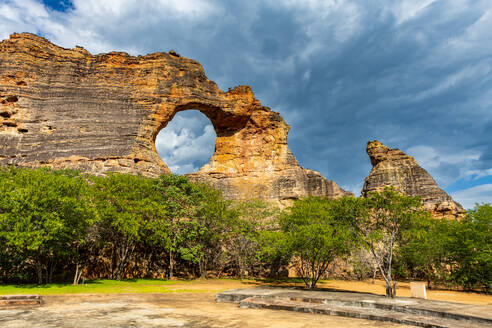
393, 305
19, 300
431, 308
359, 312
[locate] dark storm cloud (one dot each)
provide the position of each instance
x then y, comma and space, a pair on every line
398, 83
415, 74
384, 83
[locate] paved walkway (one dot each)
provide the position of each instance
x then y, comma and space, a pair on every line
162, 310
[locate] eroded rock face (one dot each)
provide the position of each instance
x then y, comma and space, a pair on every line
66, 108
392, 167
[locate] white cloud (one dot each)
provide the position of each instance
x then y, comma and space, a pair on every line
429, 157
30, 8
187, 143
479, 173
355, 188
477, 37
122, 8
99, 26
327, 23
183, 168
20, 16
479, 194
438, 163
405, 10
477, 71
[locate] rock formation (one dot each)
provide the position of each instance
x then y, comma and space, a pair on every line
392, 167
66, 108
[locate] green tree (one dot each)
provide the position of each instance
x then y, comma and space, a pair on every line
207, 230
131, 212
182, 199
242, 244
273, 249
44, 214
470, 248
423, 248
378, 221
312, 234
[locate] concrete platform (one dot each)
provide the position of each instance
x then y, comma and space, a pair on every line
19, 300
160, 310
410, 311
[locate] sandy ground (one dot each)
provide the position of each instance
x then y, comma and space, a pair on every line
196, 308
403, 290
163, 310
374, 287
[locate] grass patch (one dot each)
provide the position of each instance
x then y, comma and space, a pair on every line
100, 286
133, 286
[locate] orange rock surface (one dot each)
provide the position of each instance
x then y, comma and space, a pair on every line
66, 108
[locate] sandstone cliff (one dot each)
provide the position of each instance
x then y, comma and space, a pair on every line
392, 167
66, 108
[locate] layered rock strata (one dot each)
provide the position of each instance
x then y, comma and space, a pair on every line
392, 167
66, 108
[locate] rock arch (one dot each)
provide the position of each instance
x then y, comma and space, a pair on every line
100, 113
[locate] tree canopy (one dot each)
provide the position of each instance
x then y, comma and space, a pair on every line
311, 236
62, 225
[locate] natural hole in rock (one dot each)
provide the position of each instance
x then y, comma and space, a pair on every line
187, 142
12, 99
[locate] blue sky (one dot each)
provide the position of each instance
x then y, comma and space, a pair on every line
58, 5
414, 74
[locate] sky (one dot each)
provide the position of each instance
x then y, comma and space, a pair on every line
414, 74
